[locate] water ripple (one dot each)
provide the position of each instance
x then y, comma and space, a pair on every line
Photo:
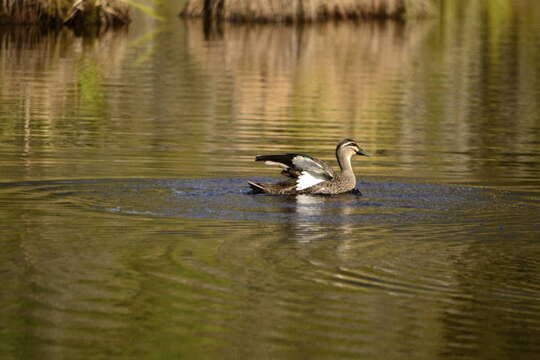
339, 270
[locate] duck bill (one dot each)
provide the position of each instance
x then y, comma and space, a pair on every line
361, 152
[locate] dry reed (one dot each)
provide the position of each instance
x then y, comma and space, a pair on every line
305, 10
71, 12
33, 11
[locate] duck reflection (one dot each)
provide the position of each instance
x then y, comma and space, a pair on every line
311, 218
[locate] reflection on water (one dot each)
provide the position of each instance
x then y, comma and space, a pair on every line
128, 228
277, 70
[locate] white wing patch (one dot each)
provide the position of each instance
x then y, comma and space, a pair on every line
307, 180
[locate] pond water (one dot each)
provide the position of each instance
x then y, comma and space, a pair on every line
128, 230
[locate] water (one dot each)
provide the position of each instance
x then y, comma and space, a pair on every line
128, 229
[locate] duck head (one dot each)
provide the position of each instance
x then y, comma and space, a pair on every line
348, 148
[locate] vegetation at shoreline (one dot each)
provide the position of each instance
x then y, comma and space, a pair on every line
78, 13
306, 11
85, 14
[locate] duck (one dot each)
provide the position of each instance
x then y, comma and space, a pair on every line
308, 175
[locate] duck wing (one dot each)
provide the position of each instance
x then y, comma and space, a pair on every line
307, 170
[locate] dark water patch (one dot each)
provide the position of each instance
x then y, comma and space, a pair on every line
383, 201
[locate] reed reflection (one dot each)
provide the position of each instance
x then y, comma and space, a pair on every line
48, 79
303, 81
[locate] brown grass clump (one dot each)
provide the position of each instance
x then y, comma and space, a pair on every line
33, 11
305, 10
70, 12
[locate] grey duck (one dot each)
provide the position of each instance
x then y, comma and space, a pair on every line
308, 175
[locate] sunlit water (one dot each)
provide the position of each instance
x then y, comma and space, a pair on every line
128, 229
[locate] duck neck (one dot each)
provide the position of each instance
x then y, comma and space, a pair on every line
344, 162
